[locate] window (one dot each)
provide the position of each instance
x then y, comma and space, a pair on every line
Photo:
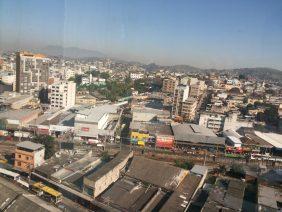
19, 163
19, 156
27, 158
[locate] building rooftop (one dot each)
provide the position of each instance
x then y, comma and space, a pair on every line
267, 196
190, 129
180, 198
199, 170
274, 139
156, 172
121, 156
128, 194
18, 114
30, 145
94, 114
152, 128
196, 134
228, 194
231, 133
15, 199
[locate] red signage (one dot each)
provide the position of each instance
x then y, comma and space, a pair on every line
164, 142
85, 129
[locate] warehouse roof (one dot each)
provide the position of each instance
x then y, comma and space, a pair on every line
156, 172
128, 194
18, 114
180, 198
196, 134
267, 197
152, 128
271, 138
193, 129
94, 114
122, 155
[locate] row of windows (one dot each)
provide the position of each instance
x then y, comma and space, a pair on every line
26, 157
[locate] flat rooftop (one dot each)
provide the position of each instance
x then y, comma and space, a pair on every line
30, 145
156, 172
128, 194
18, 114
94, 114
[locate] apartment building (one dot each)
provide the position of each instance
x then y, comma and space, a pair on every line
212, 121
169, 85
32, 73
29, 155
63, 95
180, 95
135, 76
188, 111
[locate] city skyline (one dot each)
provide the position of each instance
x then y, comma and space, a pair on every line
219, 35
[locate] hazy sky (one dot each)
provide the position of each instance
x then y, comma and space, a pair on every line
207, 34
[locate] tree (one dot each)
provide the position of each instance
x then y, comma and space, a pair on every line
222, 169
237, 170
48, 142
242, 76
78, 79
184, 164
105, 75
105, 156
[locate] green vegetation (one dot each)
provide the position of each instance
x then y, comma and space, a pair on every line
49, 143
105, 156
237, 170
112, 90
141, 85
269, 116
77, 79
211, 180
184, 164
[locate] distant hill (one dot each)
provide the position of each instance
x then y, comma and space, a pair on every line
261, 73
71, 52
185, 68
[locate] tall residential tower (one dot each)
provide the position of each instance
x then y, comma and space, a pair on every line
32, 73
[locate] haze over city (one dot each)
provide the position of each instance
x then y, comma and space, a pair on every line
206, 34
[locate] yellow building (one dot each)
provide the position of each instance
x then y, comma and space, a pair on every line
139, 137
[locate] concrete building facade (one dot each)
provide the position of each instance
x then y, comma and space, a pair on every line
169, 85
63, 95
180, 95
29, 155
32, 72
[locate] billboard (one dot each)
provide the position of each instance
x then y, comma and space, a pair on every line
164, 142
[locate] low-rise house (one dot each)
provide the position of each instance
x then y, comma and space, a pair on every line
29, 155
97, 182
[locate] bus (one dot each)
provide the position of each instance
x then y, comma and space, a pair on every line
46, 192
9, 174
14, 176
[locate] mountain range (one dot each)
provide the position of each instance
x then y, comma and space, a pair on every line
75, 52
70, 52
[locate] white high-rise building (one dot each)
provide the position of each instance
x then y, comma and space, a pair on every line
180, 95
63, 94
